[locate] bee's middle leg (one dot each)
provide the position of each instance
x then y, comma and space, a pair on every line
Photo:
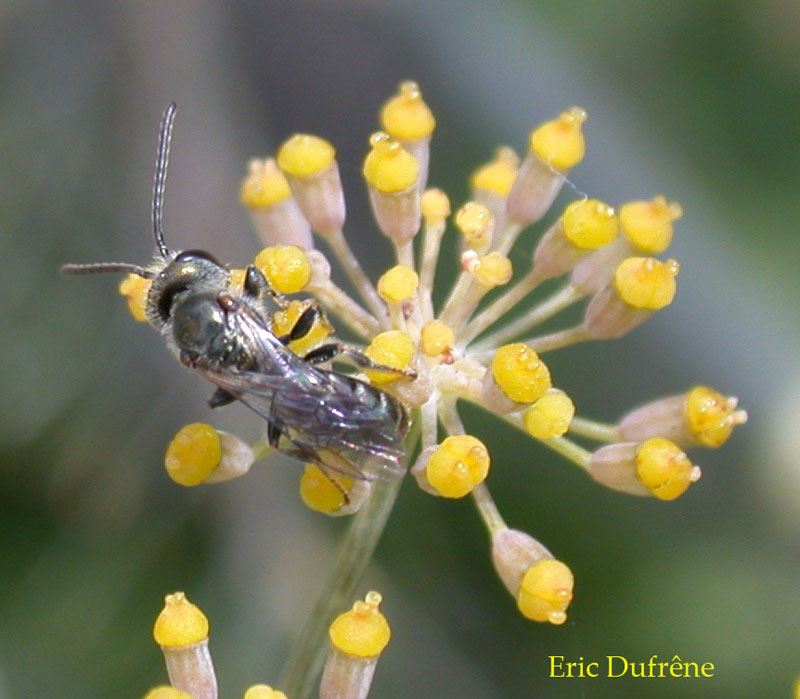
303, 324
326, 353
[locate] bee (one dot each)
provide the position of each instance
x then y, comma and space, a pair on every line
332, 419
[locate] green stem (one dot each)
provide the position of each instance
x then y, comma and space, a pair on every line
599, 431
355, 551
575, 453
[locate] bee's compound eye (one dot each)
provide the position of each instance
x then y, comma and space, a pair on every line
191, 255
197, 322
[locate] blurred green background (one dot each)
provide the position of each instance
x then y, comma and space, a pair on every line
699, 100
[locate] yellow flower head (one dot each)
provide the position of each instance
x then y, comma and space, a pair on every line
457, 466
549, 416
644, 282
363, 631
519, 373
324, 493
388, 167
711, 416
560, 142
305, 156
193, 454
263, 691
476, 223
286, 268
165, 692
498, 175
546, 591
664, 469
435, 206
648, 224
435, 338
405, 116
394, 349
493, 269
589, 224
264, 185
180, 623
398, 284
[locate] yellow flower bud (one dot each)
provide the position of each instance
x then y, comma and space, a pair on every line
304, 155
519, 373
405, 116
263, 691
363, 631
319, 492
646, 283
457, 466
549, 416
165, 692
398, 284
546, 591
193, 454
476, 223
388, 167
436, 337
286, 268
493, 269
711, 416
135, 289
560, 142
264, 185
589, 224
435, 206
648, 224
498, 175
393, 349
664, 469
180, 623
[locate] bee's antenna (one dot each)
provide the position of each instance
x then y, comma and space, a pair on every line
102, 267
160, 179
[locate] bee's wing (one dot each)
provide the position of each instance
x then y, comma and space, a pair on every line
331, 419
324, 423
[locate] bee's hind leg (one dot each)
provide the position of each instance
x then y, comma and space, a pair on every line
333, 350
221, 397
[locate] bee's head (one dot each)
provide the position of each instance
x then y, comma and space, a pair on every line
198, 325
174, 275
187, 273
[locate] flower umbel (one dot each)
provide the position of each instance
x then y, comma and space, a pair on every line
429, 357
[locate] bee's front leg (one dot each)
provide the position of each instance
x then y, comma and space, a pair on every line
257, 286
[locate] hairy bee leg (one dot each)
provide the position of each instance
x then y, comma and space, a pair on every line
257, 286
220, 397
325, 353
187, 360
273, 434
302, 325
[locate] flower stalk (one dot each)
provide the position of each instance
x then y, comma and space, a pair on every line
355, 552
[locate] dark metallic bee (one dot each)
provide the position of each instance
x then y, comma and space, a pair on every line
332, 419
